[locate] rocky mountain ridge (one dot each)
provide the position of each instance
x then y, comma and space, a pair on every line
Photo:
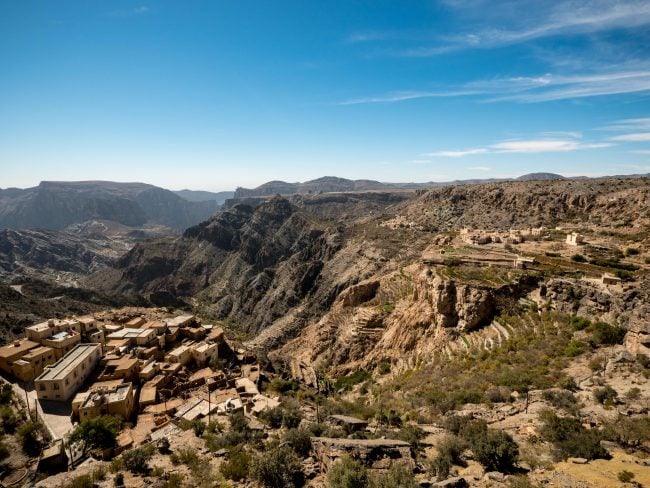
56, 205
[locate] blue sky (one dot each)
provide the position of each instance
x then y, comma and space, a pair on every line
216, 94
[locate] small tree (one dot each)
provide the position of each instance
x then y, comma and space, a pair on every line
30, 439
299, 440
348, 473
96, 433
137, 460
278, 467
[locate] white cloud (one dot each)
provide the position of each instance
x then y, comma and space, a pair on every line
407, 95
543, 145
636, 137
524, 146
641, 151
540, 20
533, 89
457, 154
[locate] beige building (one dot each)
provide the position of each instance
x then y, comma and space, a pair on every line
61, 380
40, 332
203, 353
117, 401
575, 239
33, 363
13, 352
182, 354
63, 342
138, 337
126, 368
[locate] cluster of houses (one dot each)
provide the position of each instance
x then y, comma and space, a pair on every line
151, 371
512, 236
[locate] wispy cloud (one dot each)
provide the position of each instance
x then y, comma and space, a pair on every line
542, 20
407, 95
139, 10
534, 89
641, 151
524, 146
457, 154
637, 137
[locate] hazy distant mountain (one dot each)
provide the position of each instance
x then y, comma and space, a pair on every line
205, 196
333, 184
57, 205
324, 184
541, 177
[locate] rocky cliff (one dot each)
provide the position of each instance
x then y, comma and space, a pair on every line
401, 318
56, 205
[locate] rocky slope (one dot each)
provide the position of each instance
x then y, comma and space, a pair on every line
285, 267
615, 202
253, 265
56, 205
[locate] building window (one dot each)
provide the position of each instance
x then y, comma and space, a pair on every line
41, 387
55, 386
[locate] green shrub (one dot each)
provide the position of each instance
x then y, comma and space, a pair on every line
347, 382
580, 323
237, 465
575, 348
118, 480
625, 476
4, 451
198, 427
299, 440
629, 432
96, 433
570, 438
279, 467
348, 473
450, 450
137, 460
561, 399
384, 367
9, 419
578, 258
605, 395
30, 439
83, 481
604, 334
496, 450
398, 476
6, 394
633, 393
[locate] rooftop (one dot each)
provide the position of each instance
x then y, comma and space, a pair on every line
116, 394
17, 347
64, 366
36, 352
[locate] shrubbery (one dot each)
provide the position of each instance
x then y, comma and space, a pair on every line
348, 473
450, 451
570, 438
605, 395
299, 440
279, 467
236, 467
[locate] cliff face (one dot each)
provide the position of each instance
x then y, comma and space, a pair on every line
251, 265
401, 318
57, 205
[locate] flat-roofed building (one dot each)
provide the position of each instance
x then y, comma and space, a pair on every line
117, 401
182, 354
63, 342
135, 323
94, 335
203, 353
138, 337
88, 323
61, 380
127, 368
33, 363
13, 352
40, 332
181, 321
